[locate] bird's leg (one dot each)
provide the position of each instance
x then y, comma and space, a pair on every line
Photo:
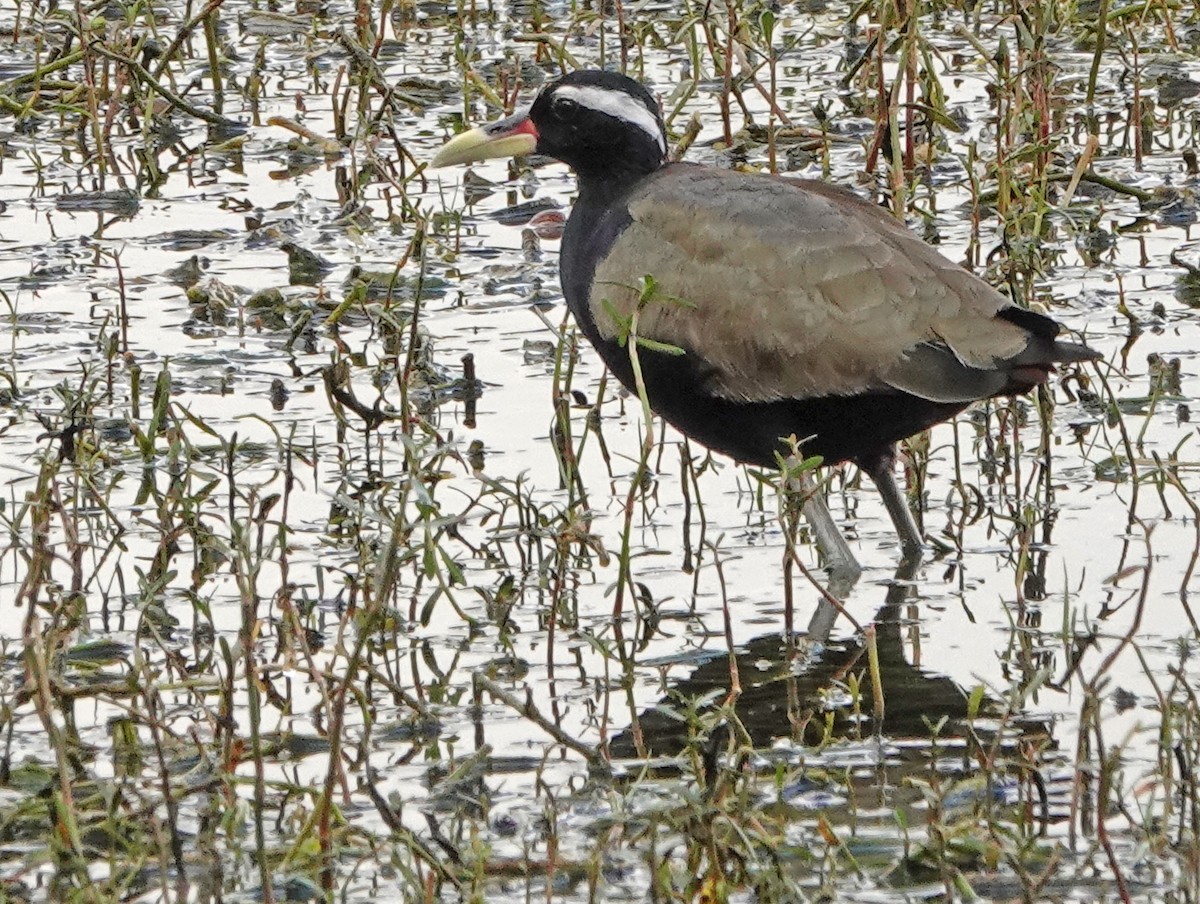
897, 506
843, 566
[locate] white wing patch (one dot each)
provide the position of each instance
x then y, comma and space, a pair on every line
618, 105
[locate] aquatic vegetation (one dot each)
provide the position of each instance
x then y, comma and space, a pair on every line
357, 578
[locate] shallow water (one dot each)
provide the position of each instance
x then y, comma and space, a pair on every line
274, 508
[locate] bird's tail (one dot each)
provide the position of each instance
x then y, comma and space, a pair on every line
1073, 353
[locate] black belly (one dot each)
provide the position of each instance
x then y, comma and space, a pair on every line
859, 428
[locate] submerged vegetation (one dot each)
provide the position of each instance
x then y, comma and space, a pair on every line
333, 566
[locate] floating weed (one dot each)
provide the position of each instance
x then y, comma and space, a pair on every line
310, 589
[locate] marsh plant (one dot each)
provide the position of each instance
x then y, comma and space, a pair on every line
334, 567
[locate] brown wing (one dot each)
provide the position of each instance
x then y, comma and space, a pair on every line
799, 289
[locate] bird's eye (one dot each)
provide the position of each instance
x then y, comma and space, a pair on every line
564, 107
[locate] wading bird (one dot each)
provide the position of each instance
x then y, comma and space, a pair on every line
766, 307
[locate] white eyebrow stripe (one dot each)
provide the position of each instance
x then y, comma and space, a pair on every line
617, 104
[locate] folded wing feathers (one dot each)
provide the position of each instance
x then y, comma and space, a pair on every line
790, 292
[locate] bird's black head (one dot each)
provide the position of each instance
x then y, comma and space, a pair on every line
603, 125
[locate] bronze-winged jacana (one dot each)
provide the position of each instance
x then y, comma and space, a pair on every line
800, 310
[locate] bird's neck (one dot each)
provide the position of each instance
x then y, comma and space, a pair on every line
598, 192
598, 217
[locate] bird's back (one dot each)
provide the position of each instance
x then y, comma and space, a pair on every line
776, 291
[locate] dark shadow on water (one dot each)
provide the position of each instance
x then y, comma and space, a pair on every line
789, 685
